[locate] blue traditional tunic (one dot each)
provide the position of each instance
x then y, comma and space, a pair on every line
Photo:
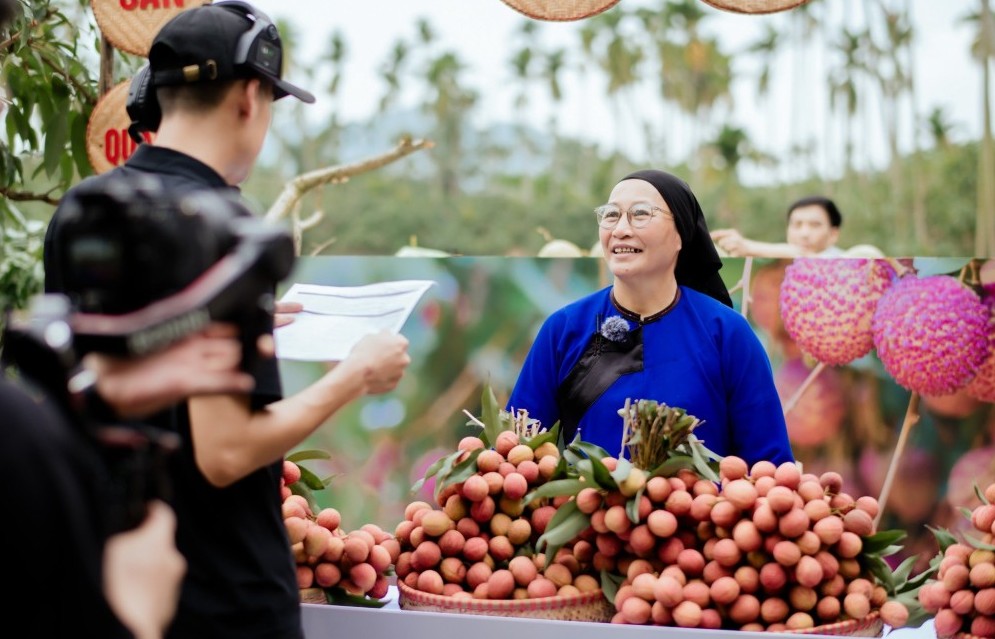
699, 355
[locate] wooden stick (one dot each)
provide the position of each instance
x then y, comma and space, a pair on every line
747, 268
626, 423
911, 418
790, 404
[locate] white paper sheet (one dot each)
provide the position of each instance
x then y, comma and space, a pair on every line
336, 317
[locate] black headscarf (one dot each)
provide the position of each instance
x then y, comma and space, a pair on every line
698, 262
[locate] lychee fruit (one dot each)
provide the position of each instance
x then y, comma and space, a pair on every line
827, 305
982, 387
931, 333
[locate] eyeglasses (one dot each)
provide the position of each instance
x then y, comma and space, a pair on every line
639, 215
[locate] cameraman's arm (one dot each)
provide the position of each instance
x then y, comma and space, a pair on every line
201, 364
231, 442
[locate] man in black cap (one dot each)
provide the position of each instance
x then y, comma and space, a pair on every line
213, 74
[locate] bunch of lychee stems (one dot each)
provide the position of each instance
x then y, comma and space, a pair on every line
651, 431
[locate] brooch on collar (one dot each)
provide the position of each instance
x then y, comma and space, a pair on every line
615, 329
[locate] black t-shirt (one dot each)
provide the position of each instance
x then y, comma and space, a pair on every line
51, 484
241, 580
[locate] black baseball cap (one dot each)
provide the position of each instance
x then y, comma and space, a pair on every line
218, 42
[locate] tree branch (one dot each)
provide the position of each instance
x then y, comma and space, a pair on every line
25, 196
68, 77
303, 183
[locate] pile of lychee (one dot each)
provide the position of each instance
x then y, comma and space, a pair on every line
479, 541
770, 549
357, 562
963, 596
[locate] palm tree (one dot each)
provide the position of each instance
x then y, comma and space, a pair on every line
939, 127
983, 50
620, 59
765, 48
523, 60
391, 73
843, 90
731, 144
449, 102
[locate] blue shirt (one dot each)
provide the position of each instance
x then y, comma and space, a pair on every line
700, 355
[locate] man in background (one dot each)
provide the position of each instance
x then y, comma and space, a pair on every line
813, 230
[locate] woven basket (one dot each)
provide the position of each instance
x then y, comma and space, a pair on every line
313, 596
132, 29
560, 10
755, 6
869, 626
589, 606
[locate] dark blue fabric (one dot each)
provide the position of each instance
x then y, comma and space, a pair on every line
701, 356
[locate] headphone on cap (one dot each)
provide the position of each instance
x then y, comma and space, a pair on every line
257, 49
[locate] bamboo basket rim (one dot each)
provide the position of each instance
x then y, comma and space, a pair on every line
851, 627
444, 603
755, 6
560, 10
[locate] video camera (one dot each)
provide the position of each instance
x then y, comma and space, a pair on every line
143, 270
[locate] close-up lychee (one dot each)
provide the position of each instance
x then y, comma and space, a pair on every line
827, 305
931, 333
982, 387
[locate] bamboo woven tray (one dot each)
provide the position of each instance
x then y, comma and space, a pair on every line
869, 626
590, 606
560, 10
755, 6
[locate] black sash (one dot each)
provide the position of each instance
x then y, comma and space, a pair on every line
602, 362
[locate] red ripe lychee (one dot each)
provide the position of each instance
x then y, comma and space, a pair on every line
291, 472
931, 333
827, 305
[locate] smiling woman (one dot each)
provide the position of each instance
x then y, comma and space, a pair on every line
664, 330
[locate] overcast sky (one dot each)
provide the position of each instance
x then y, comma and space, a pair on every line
483, 32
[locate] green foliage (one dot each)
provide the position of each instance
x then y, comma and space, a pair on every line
21, 273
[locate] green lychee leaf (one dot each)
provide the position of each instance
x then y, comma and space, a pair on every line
460, 472
490, 415
974, 542
622, 470
299, 488
926, 266
874, 544
610, 583
587, 448
446, 462
551, 435
671, 467
944, 538
881, 571
566, 524
632, 506
311, 480
701, 464
601, 474
557, 488
302, 455
981, 495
